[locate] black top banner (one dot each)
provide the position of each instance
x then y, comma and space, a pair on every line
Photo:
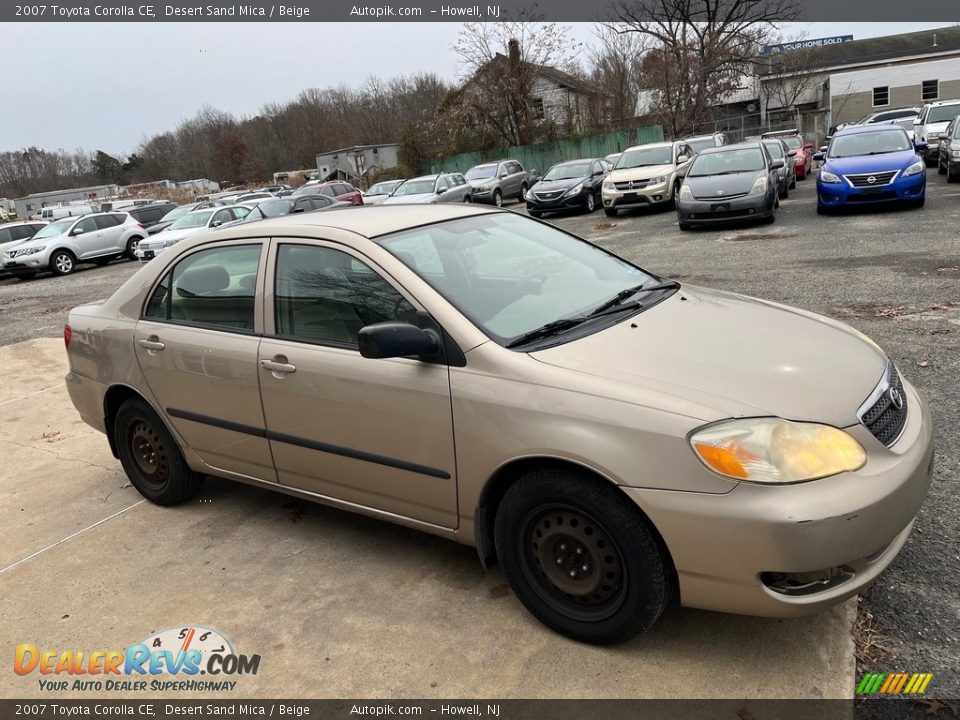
946, 11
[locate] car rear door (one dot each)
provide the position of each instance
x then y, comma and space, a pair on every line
374, 433
112, 228
197, 342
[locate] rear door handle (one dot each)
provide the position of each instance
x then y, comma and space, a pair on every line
151, 344
278, 365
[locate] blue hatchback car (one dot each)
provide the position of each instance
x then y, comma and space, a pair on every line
867, 164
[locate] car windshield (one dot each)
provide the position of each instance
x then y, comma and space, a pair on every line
727, 161
943, 113
703, 143
177, 212
415, 187
870, 143
481, 172
54, 229
541, 273
568, 171
645, 156
774, 148
274, 208
382, 188
196, 219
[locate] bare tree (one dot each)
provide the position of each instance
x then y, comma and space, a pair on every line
616, 67
699, 50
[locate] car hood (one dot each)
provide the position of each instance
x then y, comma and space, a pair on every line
483, 181
406, 199
871, 163
937, 127
639, 173
374, 199
719, 186
733, 356
548, 185
33, 242
157, 227
168, 236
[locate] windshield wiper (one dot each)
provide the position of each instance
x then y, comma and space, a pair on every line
883, 152
616, 303
551, 328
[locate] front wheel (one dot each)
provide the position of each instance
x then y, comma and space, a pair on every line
467, 200
611, 212
581, 557
536, 214
685, 226
498, 198
591, 203
150, 456
941, 170
523, 192
919, 203
62, 262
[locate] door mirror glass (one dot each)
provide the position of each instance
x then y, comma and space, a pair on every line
395, 339
917, 121
77, 230
682, 158
776, 164
819, 156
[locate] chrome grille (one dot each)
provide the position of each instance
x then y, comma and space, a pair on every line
632, 185
885, 412
552, 195
871, 179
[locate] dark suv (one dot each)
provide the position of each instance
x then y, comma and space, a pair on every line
151, 214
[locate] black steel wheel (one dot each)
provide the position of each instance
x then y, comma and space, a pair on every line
150, 456
581, 557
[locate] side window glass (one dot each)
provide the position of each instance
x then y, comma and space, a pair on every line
213, 287
87, 224
106, 221
328, 191
326, 296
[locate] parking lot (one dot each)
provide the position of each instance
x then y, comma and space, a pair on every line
339, 605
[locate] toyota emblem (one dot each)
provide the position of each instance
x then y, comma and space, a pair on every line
896, 398
719, 192
871, 179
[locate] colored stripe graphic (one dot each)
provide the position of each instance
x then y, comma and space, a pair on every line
894, 683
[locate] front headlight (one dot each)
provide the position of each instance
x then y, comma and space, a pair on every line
575, 190
657, 180
914, 169
771, 450
485, 188
529, 195
168, 243
685, 192
608, 185
759, 186
33, 250
828, 177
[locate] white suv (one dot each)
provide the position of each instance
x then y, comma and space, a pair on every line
933, 120
58, 247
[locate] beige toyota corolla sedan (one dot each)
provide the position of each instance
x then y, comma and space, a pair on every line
614, 440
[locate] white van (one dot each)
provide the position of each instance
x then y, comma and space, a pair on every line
59, 212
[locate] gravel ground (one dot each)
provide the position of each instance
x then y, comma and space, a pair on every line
894, 275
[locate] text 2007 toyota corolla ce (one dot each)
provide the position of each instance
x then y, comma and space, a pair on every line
615, 440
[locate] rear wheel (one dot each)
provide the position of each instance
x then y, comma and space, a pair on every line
62, 262
132, 245
150, 456
581, 557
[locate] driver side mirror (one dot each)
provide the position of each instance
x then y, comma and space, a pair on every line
396, 339
77, 231
808, 146
777, 164
216, 223
916, 121
682, 158
441, 191
503, 175
919, 145
819, 156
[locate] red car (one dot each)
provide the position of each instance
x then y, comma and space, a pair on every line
803, 160
337, 190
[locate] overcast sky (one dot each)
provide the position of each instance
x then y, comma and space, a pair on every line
110, 86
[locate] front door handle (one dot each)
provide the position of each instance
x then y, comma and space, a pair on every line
278, 365
152, 344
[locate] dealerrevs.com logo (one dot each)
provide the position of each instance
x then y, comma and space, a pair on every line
190, 658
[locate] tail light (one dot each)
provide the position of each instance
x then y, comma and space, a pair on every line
141, 226
67, 335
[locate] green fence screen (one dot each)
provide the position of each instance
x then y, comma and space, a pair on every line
542, 156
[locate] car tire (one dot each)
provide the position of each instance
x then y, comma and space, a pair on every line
591, 203
63, 262
498, 198
467, 199
919, 203
551, 523
611, 212
132, 244
821, 210
952, 177
941, 170
784, 194
523, 192
536, 214
685, 226
793, 182
151, 457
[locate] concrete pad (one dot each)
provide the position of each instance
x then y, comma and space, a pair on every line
337, 605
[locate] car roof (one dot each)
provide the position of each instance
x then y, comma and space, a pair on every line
369, 221
665, 144
22, 222
428, 177
938, 103
860, 129
736, 146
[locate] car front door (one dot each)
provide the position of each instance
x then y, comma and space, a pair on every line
196, 343
88, 238
374, 433
221, 217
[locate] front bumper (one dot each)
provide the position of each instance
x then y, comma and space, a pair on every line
933, 149
27, 264
564, 202
482, 196
705, 212
726, 548
842, 193
649, 195
148, 253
